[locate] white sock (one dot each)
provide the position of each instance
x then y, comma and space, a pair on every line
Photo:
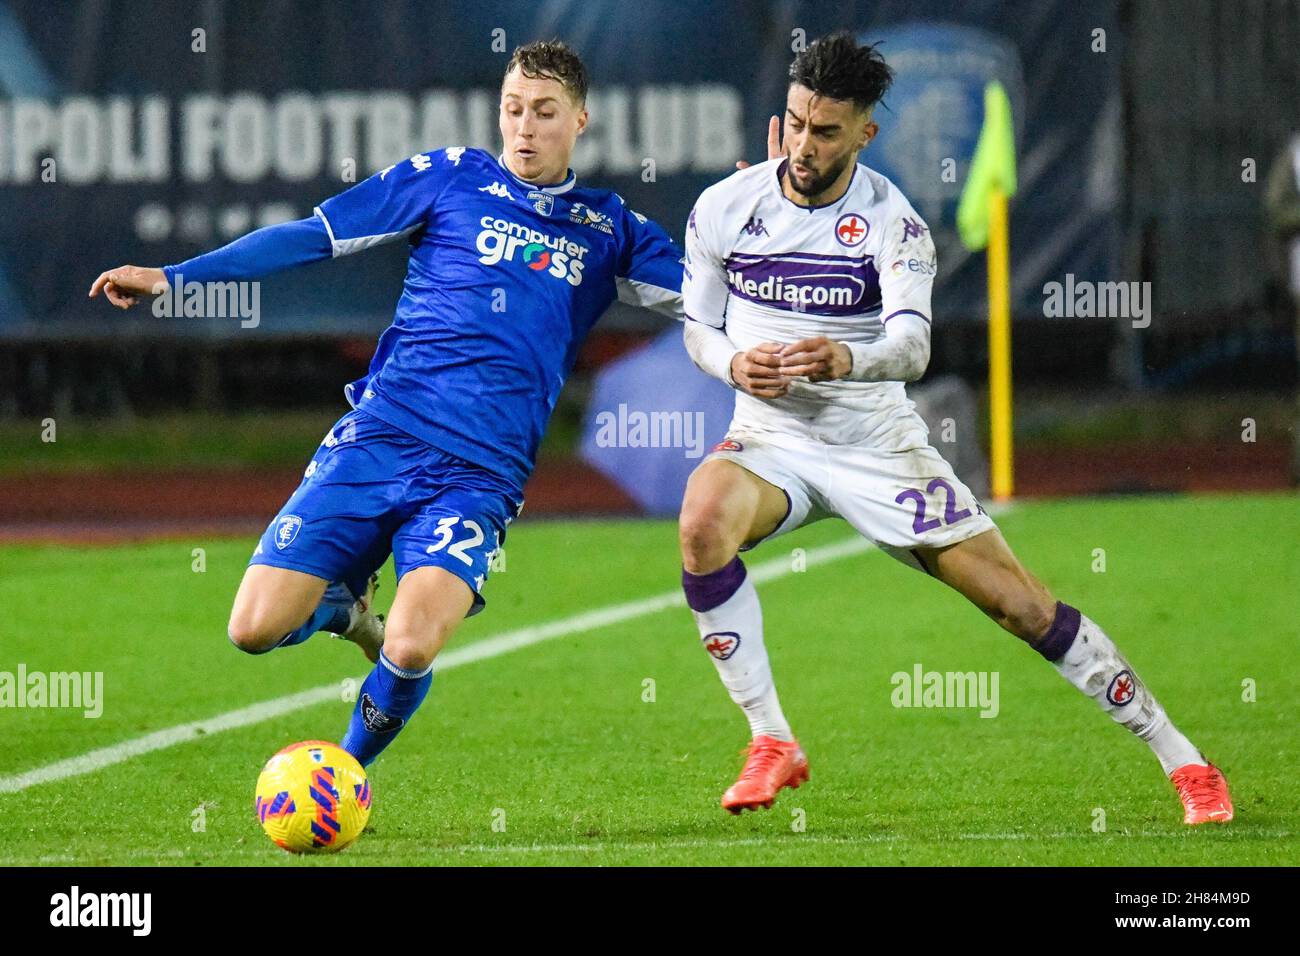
732, 633
1095, 666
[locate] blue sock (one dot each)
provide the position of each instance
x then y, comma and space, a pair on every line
332, 614
388, 698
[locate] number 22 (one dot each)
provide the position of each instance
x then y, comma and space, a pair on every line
921, 524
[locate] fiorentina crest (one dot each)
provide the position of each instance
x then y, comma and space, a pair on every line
1122, 688
722, 644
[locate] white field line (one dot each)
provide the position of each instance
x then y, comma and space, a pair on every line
793, 840
781, 841
478, 651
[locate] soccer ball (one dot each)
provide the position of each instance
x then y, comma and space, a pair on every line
313, 797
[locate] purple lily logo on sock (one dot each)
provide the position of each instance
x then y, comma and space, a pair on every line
375, 720
722, 644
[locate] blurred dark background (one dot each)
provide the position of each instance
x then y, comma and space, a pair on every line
1156, 144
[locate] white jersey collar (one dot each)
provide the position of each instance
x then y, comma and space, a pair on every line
780, 172
569, 182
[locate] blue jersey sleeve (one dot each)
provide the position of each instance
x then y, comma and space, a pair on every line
259, 253
650, 267
390, 205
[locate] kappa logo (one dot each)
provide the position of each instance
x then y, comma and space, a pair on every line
420, 161
755, 227
1122, 688
544, 203
729, 445
497, 189
722, 644
913, 229
851, 229
375, 720
286, 531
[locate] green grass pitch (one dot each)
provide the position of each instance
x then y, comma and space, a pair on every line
558, 742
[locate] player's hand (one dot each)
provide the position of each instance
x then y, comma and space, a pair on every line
774, 147
124, 285
820, 359
758, 371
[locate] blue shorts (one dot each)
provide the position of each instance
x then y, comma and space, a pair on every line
372, 489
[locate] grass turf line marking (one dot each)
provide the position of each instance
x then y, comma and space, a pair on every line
484, 649
1227, 835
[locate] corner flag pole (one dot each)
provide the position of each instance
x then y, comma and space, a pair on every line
999, 269
982, 222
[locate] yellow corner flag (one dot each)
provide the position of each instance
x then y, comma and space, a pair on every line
981, 223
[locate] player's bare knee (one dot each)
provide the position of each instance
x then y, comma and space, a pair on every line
708, 539
1026, 616
251, 635
413, 645
1041, 617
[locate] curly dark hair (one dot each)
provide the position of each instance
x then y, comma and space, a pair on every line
553, 60
836, 67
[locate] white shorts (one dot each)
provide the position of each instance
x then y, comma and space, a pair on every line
899, 500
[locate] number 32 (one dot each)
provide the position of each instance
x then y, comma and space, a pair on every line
445, 534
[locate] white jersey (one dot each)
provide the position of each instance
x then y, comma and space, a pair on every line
768, 270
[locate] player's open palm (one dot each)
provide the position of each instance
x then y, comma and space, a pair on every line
125, 285
758, 371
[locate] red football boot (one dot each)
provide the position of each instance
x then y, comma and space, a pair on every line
771, 765
1204, 793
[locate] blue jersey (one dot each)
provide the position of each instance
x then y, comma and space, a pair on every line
504, 282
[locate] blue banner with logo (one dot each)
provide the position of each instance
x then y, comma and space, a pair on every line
229, 116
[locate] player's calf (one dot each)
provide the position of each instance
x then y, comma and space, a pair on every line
985, 571
724, 507
430, 604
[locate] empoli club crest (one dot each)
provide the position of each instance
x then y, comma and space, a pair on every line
542, 202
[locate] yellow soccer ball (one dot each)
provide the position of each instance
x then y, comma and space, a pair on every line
313, 797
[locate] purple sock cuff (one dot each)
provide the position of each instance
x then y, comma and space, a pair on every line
704, 592
1059, 637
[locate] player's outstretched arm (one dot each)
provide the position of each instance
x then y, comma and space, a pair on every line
260, 253
386, 207
124, 285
